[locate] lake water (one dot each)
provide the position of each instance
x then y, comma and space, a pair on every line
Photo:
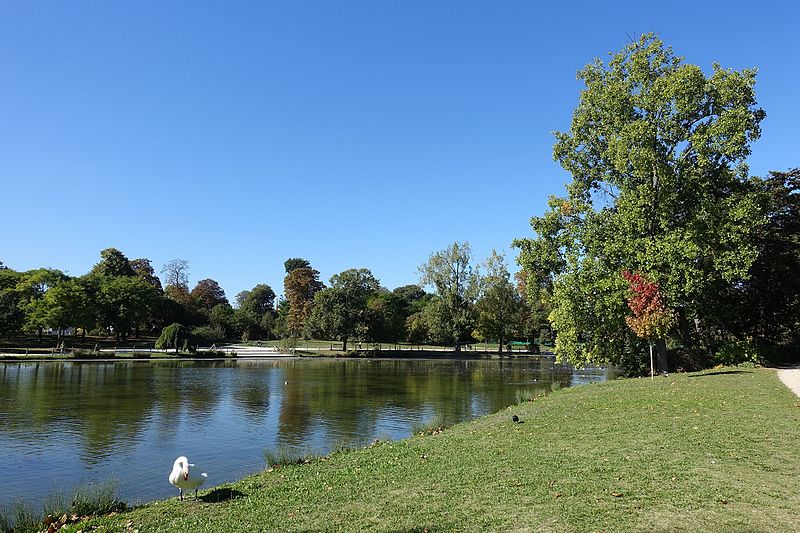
62, 423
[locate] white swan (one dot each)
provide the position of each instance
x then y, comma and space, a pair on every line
183, 478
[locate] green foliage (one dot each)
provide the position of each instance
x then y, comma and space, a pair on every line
500, 310
88, 499
173, 336
255, 312
206, 335
765, 308
417, 330
12, 316
450, 313
223, 318
144, 270
96, 498
124, 303
287, 455
293, 263
737, 352
431, 426
341, 311
113, 263
656, 151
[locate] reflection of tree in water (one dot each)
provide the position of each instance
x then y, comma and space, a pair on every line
350, 400
250, 390
295, 413
104, 408
99, 406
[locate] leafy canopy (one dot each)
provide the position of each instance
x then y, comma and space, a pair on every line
656, 152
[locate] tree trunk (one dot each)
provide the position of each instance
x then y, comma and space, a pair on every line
344, 344
661, 360
684, 329
501, 345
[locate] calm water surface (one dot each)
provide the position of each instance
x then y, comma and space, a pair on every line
62, 423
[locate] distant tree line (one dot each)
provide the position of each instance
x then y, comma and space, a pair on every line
120, 298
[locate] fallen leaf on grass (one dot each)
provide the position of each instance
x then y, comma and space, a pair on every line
617, 494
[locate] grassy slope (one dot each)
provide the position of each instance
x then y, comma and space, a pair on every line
711, 452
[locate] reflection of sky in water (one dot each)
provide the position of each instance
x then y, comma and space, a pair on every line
64, 423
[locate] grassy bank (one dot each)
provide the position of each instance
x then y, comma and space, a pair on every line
714, 451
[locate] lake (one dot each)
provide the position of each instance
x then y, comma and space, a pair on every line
62, 423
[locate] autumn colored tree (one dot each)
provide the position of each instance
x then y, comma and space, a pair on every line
207, 294
300, 285
651, 318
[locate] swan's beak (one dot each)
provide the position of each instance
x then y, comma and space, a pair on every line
186, 475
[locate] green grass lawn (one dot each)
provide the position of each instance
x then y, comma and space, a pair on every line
715, 451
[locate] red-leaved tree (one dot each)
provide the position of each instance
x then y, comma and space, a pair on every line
651, 318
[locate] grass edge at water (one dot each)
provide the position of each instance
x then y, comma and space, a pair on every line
676, 454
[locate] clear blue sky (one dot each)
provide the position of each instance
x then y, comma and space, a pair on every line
354, 134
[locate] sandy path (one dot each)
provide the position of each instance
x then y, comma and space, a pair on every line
791, 378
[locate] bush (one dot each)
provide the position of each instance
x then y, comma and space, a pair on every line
737, 352
288, 344
173, 336
213, 353
207, 335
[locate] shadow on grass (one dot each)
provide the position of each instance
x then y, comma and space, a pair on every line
221, 495
720, 373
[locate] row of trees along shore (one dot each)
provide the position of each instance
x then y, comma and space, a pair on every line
120, 297
662, 239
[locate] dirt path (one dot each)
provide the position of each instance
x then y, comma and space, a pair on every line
791, 378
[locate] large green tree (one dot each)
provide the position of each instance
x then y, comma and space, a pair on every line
656, 152
255, 313
341, 310
765, 309
500, 310
125, 303
12, 316
70, 304
113, 263
456, 283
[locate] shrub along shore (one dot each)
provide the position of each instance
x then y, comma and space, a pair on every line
711, 451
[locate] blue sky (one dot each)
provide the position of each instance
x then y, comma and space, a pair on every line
354, 134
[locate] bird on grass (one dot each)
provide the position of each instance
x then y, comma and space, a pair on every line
515, 419
183, 478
